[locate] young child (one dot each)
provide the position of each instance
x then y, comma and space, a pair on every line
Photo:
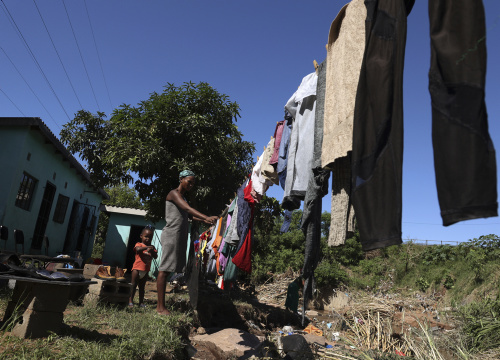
144, 254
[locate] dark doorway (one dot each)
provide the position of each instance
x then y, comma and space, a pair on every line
43, 216
133, 237
83, 228
79, 228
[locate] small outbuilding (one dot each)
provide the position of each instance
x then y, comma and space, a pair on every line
124, 230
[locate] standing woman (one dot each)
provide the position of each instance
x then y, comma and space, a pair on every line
174, 236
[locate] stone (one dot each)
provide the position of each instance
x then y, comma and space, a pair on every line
311, 339
231, 341
50, 298
108, 291
37, 324
89, 270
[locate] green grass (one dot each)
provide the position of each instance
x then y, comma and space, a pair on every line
95, 331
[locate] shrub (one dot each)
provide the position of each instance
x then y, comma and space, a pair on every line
329, 274
449, 282
422, 284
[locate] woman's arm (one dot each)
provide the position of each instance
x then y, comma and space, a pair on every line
210, 220
177, 199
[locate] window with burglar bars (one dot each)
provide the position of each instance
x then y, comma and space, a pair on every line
25, 193
61, 208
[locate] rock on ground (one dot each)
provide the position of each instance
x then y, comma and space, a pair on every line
236, 342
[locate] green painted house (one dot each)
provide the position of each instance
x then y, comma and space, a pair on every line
124, 228
45, 192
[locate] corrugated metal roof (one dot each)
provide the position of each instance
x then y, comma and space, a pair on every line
122, 210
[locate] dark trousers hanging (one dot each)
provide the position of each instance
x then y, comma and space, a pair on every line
377, 154
464, 157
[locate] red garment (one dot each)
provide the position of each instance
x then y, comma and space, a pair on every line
243, 258
142, 258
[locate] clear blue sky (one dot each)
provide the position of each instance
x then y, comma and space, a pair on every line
254, 51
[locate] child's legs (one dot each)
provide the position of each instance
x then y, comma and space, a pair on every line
135, 280
142, 286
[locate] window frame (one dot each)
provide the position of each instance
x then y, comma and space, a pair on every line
26, 191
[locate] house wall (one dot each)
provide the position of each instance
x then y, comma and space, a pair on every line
44, 165
117, 238
10, 158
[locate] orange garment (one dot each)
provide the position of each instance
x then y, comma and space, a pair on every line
311, 329
142, 259
216, 244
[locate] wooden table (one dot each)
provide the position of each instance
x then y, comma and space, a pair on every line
37, 305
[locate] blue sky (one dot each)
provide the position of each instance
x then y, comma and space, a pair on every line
256, 52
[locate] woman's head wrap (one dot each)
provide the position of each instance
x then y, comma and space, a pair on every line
185, 173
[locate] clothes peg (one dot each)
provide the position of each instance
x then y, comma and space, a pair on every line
316, 66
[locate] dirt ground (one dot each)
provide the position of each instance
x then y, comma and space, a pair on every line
261, 312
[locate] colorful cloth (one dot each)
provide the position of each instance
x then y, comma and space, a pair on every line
243, 257
278, 133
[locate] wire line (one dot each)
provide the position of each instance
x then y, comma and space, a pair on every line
98, 55
28, 85
3, 92
81, 56
57, 52
13, 22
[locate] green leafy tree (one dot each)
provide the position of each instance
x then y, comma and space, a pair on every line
123, 195
266, 213
274, 252
191, 126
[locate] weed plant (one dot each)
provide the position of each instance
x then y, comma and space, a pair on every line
481, 324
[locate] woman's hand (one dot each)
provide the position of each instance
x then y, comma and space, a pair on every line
210, 220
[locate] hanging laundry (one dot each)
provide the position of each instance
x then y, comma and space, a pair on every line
345, 49
232, 237
287, 221
282, 164
464, 156
243, 257
222, 259
301, 106
268, 173
278, 134
230, 271
284, 146
342, 212
217, 242
211, 263
377, 154
244, 214
317, 188
259, 184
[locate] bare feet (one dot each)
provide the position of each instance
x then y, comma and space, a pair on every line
162, 311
